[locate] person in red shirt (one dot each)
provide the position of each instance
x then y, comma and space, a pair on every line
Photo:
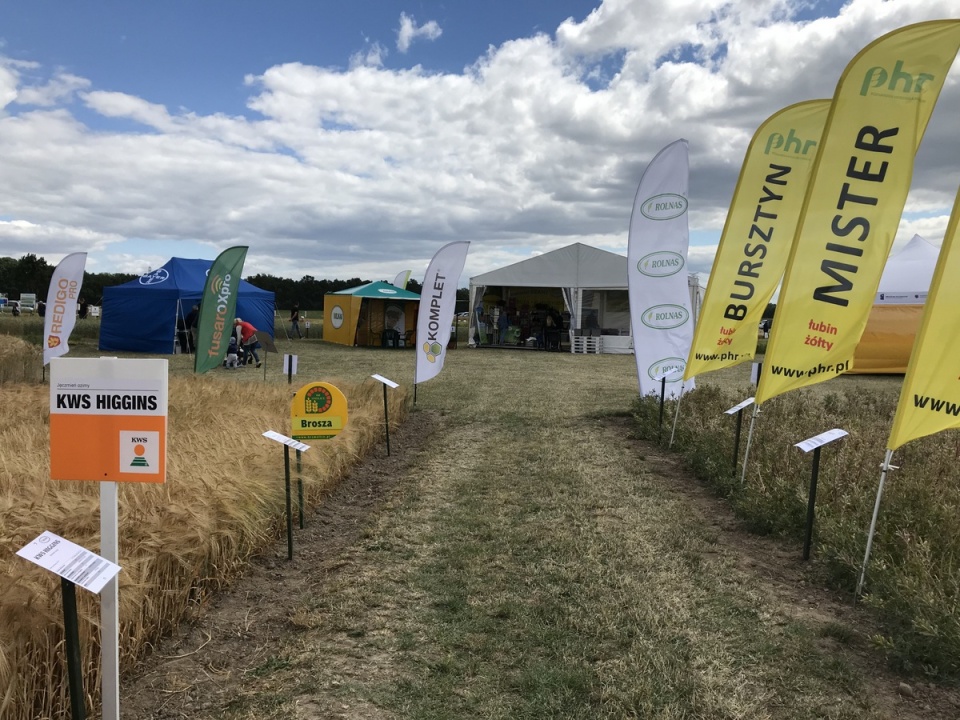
248, 338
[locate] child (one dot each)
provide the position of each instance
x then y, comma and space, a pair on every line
232, 359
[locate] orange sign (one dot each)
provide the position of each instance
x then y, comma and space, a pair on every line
318, 412
108, 419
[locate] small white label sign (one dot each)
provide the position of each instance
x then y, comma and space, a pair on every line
737, 408
289, 364
277, 437
385, 381
821, 439
70, 561
666, 374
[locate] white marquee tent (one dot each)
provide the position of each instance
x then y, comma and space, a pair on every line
591, 282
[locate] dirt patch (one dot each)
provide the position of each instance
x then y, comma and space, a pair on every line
249, 628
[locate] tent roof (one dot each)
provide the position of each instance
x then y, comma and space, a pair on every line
383, 290
911, 269
576, 265
185, 275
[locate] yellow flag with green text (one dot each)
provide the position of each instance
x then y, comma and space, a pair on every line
853, 205
930, 394
756, 238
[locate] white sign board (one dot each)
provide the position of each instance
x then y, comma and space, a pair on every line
821, 439
70, 561
737, 408
295, 444
289, 364
667, 373
385, 381
755, 369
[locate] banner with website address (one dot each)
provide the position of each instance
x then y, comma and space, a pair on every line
437, 303
60, 315
755, 242
657, 244
218, 307
930, 394
852, 209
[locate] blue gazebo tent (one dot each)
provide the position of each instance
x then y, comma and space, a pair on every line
141, 315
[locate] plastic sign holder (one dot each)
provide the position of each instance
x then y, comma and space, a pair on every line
738, 409
815, 443
299, 447
386, 421
76, 566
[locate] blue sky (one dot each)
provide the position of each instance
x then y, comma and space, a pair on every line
354, 139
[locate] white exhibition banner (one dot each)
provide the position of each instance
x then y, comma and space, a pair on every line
60, 315
660, 313
437, 303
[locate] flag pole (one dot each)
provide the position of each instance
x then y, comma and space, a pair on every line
675, 416
746, 452
873, 522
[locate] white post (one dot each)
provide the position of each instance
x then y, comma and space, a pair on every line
746, 451
873, 522
110, 605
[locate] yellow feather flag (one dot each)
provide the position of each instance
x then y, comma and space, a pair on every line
756, 238
853, 205
930, 395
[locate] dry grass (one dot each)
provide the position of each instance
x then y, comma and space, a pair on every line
222, 501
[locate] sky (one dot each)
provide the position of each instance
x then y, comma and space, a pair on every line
354, 139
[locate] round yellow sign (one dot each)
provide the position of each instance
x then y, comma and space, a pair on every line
318, 412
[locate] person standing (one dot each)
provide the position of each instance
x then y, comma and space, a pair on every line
248, 338
191, 322
82, 309
503, 325
295, 321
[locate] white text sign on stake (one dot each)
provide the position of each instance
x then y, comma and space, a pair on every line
70, 561
289, 364
387, 383
737, 408
815, 443
821, 439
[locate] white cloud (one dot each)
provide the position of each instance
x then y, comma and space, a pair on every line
60, 89
364, 171
410, 31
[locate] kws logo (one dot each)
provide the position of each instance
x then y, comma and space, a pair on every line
673, 365
336, 317
665, 317
662, 263
664, 207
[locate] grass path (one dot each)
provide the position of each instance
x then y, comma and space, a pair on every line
534, 561
535, 564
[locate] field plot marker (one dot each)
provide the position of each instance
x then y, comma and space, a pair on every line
386, 420
108, 423
287, 444
76, 566
289, 366
662, 377
815, 443
738, 409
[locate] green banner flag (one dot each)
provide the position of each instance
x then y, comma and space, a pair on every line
218, 307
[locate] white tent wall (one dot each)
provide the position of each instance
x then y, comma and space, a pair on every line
592, 283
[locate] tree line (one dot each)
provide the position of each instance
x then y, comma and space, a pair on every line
32, 274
